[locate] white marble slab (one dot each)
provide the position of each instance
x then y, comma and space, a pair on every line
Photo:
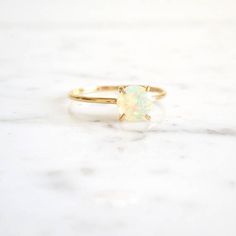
71, 169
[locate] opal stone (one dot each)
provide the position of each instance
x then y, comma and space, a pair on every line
134, 102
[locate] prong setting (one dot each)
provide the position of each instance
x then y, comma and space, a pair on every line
148, 117
134, 103
122, 90
147, 88
122, 117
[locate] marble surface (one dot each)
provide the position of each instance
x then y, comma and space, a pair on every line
72, 169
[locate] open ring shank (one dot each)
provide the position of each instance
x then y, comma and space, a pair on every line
80, 94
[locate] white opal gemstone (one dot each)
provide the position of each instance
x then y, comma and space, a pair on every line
134, 102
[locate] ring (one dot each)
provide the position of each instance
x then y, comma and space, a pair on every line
134, 101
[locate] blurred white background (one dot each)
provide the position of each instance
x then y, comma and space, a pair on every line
67, 173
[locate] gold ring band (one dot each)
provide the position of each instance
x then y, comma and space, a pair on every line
79, 94
133, 102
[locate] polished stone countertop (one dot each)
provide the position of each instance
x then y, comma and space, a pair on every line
72, 169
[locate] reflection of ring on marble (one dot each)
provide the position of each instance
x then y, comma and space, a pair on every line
134, 101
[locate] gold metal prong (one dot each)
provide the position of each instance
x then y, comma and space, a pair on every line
147, 88
147, 117
122, 90
122, 117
